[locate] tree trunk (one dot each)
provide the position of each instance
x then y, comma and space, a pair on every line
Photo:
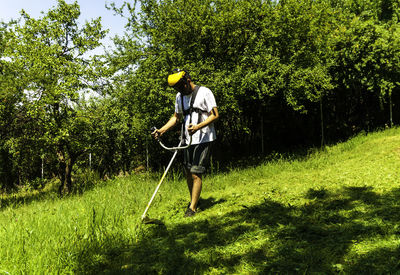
61, 176
65, 172
66, 177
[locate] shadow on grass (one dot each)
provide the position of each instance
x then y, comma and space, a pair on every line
320, 236
208, 203
17, 199
47, 191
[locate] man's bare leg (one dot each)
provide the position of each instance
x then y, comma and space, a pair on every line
189, 181
195, 190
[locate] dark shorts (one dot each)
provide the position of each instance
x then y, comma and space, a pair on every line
197, 157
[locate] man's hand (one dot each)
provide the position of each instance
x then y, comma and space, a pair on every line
193, 129
156, 134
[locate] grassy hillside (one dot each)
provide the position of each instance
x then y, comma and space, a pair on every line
333, 211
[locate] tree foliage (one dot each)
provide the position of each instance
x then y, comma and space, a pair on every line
287, 60
49, 57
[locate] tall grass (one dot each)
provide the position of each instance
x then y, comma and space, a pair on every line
336, 210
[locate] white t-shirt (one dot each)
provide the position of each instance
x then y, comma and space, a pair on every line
205, 100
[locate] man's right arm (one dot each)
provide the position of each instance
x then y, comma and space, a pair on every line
171, 122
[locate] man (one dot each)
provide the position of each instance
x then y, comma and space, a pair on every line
199, 124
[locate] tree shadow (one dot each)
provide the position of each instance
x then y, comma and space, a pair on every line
205, 204
48, 191
17, 199
271, 237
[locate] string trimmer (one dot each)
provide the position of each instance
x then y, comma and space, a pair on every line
146, 219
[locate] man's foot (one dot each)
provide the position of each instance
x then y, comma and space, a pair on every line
189, 212
189, 204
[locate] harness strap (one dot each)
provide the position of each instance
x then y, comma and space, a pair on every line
191, 109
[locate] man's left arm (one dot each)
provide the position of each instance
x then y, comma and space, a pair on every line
212, 117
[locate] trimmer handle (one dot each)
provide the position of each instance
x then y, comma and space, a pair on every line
179, 147
152, 129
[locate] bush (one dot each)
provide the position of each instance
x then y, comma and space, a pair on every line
85, 179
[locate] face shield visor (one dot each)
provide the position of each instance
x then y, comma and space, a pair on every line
179, 82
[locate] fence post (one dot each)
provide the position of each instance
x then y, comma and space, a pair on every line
42, 170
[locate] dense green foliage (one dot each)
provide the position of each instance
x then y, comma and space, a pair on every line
45, 68
331, 211
285, 74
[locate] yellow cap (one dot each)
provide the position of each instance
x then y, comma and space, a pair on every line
174, 78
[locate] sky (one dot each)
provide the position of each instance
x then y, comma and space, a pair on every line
90, 9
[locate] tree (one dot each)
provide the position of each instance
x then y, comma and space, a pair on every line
8, 98
51, 56
366, 54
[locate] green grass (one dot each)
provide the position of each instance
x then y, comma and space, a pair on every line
334, 211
